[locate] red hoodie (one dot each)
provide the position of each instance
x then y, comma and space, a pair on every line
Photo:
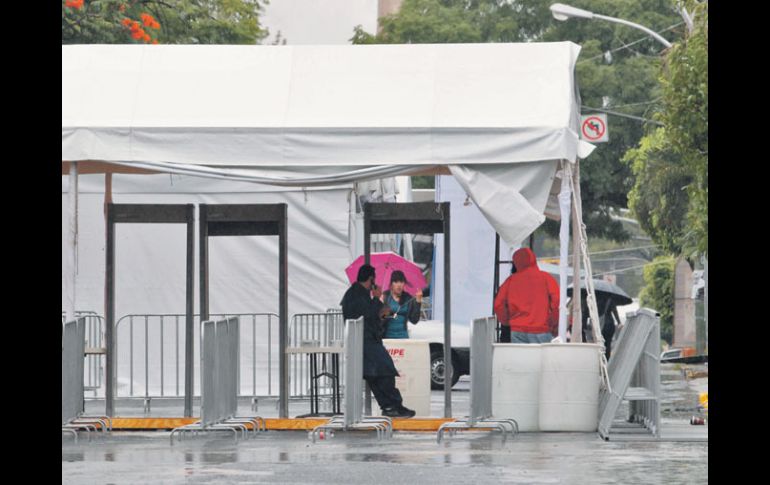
528, 301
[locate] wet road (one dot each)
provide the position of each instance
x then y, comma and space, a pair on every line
358, 457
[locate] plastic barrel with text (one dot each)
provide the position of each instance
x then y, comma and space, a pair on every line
412, 361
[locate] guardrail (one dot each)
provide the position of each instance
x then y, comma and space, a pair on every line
313, 329
150, 358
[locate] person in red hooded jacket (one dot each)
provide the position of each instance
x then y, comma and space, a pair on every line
528, 301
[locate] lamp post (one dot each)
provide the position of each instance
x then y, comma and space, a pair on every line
562, 12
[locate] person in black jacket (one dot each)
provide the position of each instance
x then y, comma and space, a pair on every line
363, 299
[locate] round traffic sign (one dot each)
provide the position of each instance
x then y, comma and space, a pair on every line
593, 128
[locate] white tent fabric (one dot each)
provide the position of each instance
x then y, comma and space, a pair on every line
511, 197
472, 257
320, 105
243, 270
318, 115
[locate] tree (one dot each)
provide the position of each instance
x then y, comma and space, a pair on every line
670, 192
617, 71
624, 81
162, 21
658, 293
659, 198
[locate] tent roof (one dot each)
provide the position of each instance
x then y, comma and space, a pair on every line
279, 106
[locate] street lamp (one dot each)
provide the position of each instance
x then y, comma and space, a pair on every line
563, 12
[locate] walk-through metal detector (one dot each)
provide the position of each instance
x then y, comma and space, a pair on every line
147, 214
416, 218
251, 220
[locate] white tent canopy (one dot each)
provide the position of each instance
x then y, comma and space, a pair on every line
320, 105
498, 117
314, 115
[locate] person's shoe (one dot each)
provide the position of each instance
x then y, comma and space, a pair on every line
406, 412
391, 412
398, 412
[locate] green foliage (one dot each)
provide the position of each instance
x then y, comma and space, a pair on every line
685, 113
628, 81
181, 21
670, 195
423, 182
460, 21
659, 198
658, 293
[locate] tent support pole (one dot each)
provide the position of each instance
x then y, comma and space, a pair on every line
73, 238
577, 318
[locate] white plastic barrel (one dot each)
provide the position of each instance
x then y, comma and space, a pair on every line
569, 388
516, 383
412, 361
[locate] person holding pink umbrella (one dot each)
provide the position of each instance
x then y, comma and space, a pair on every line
363, 299
403, 305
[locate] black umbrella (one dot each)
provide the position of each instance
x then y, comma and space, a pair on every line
606, 289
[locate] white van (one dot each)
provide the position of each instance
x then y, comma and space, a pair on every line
433, 332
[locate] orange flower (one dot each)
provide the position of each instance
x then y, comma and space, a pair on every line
74, 4
155, 41
155, 25
137, 34
147, 20
126, 22
146, 38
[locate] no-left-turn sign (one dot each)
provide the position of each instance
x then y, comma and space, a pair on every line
593, 128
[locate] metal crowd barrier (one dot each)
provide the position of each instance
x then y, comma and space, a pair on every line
73, 346
94, 349
72, 401
161, 354
482, 336
219, 374
149, 353
317, 330
354, 364
352, 417
647, 376
634, 373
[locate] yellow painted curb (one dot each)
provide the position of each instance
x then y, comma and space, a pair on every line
128, 424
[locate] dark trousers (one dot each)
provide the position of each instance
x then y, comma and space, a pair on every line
505, 334
385, 391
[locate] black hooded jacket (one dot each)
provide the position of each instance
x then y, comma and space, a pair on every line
358, 302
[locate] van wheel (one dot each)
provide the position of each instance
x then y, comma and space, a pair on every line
437, 371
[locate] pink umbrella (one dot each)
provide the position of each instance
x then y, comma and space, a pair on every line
385, 264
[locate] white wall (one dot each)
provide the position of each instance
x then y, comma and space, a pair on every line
472, 257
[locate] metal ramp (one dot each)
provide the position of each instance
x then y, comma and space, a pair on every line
352, 417
219, 375
634, 374
482, 335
